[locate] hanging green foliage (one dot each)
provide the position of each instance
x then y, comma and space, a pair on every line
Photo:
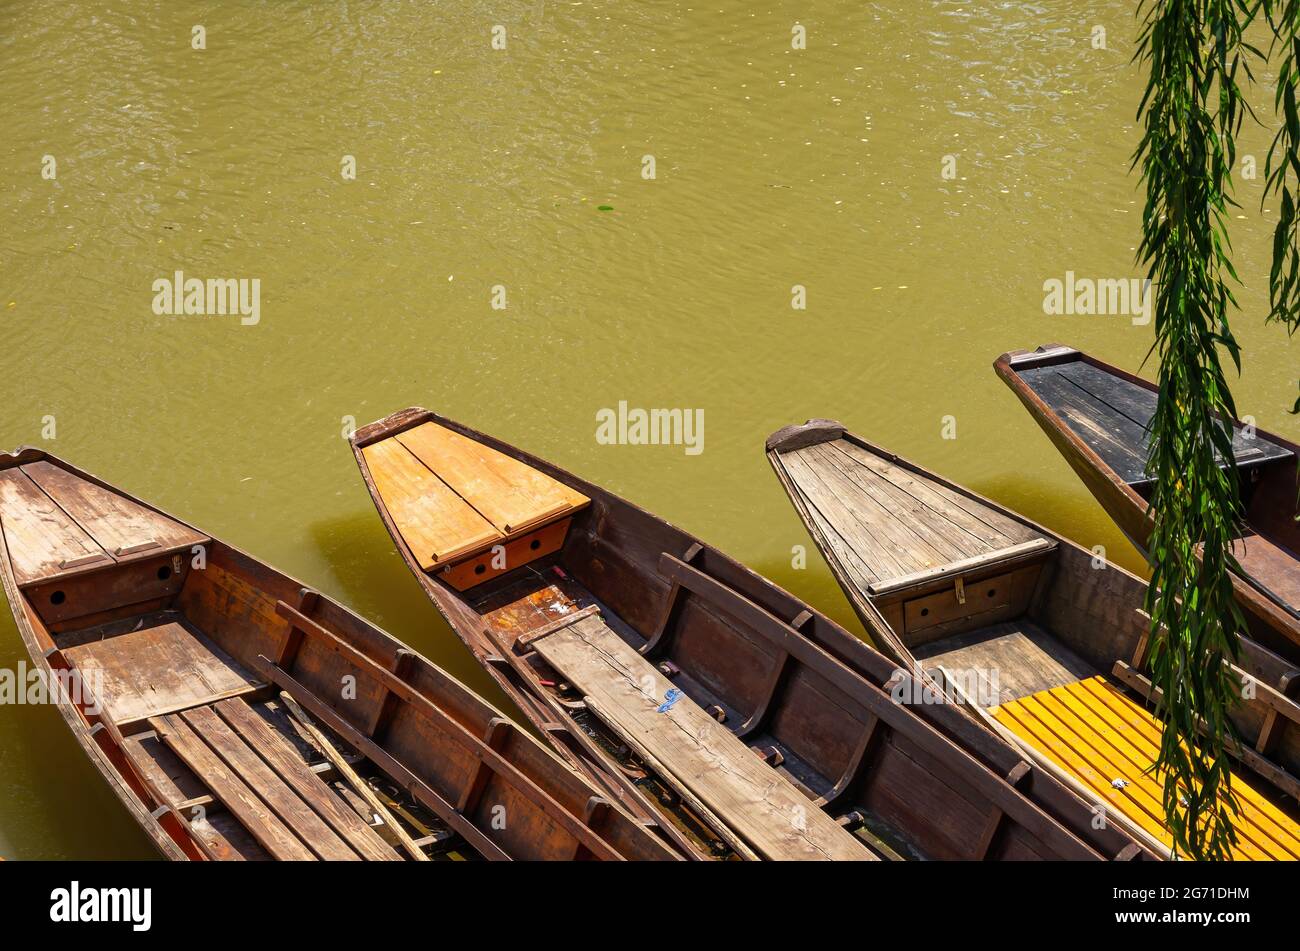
1192, 110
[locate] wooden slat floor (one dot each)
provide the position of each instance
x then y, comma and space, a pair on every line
1099, 735
883, 521
276, 806
1016, 657
159, 668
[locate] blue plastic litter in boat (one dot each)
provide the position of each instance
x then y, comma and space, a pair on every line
671, 697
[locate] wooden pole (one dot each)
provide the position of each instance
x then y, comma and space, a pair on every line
347, 772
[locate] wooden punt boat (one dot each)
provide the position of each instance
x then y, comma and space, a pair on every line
717, 708
1043, 641
1098, 417
181, 659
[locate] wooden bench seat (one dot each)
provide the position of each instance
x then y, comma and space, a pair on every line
261, 780
160, 668
1109, 743
713, 767
452, 498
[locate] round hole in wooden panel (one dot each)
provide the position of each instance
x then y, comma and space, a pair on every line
535, 544
58, 597
164, 572
925, 612
479, 569
992, 592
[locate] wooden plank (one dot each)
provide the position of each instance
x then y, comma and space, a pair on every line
301, 819
436, 523
223, 839
928, 740
512, 495
1025, 657
122, 527
295, 813
412, 783
282, 756
969, 515
1133, 732
854, 543
42, 540
673, 782
169, 780
1274, 773
911, 519
1120, 441
242, 802
158, 669
1139, 404
760, 805
1015, 552
1048, 765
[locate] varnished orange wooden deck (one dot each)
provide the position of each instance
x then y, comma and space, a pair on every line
1099, 735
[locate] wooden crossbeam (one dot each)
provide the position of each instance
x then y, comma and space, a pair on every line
671, 610
757, 719
861, 754
598, 807
391, 703
993, 824
495, 736
284, 657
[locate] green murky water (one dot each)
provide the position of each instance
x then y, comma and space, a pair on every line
478, 167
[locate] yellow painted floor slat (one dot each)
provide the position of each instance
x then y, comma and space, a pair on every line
1265, 817
1099, 735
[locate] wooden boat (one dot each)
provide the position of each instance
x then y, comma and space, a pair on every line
1098, 417
181, 662
1043, 641
715, 707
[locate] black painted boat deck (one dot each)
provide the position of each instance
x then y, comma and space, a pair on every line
1113, 415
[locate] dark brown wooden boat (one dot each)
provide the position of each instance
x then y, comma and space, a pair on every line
1044, 641
1098, 417
716, 707
180, 663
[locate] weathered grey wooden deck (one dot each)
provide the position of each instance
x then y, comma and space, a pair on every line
884, 522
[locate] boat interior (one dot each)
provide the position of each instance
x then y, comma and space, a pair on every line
178, 652
702, 684
1112, 415
1019, 622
